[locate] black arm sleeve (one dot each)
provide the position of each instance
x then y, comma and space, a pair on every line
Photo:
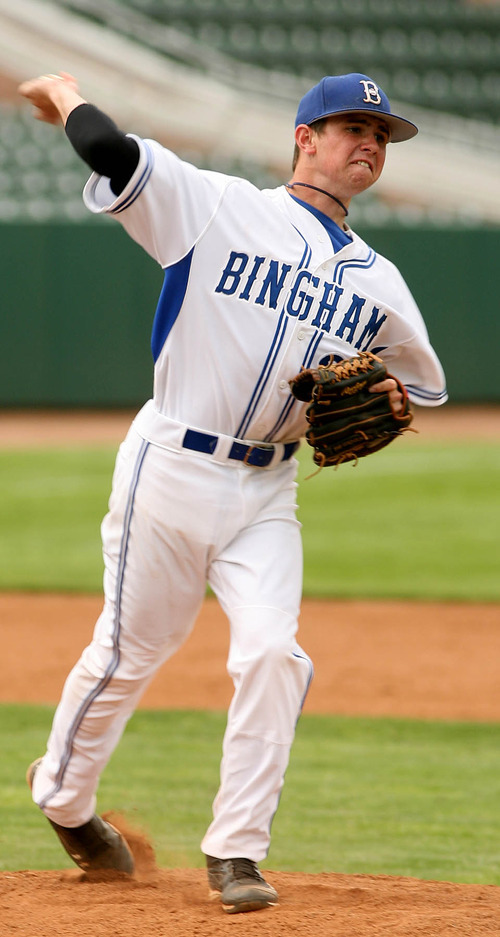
104, 147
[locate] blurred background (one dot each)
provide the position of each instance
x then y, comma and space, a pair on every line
218, 81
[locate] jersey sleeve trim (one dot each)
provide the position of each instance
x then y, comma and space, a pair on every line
426, 397
98, 195
127, 200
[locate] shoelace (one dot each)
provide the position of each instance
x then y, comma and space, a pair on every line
247, 868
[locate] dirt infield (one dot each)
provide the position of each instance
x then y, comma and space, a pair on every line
384, 658
53, 427
173, 903
371, 658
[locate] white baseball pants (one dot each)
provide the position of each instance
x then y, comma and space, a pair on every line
176, 521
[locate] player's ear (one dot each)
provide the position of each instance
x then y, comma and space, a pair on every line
305, 139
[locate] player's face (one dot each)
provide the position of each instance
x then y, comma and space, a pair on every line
350, 151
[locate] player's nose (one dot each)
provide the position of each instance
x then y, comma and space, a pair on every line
370, 142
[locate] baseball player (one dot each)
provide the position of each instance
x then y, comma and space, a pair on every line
257, 285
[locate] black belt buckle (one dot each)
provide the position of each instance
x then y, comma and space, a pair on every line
256, 456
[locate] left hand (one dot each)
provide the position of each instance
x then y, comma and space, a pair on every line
390, 387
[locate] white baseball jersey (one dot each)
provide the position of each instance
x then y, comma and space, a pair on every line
254, 289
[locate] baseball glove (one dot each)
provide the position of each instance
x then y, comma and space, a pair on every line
346, 420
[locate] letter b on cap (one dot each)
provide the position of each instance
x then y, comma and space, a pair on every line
372, 94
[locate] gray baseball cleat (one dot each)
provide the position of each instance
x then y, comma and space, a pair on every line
239, 885
93, 846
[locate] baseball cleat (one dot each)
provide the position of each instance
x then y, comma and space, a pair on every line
214, 872
93, 846
239, 885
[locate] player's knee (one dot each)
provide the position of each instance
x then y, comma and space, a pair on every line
271, 655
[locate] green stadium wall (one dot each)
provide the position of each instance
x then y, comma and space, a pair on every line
78, 303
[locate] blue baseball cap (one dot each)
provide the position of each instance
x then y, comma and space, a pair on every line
344, 94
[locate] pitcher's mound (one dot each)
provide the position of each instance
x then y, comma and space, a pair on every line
174, 903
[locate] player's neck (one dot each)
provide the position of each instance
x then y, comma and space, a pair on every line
327, 202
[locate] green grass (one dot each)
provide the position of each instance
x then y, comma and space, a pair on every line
415, 520
374, 796
51, 506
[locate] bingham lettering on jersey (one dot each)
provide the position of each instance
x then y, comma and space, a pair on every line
266, 282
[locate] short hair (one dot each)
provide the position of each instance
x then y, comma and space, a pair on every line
318, 126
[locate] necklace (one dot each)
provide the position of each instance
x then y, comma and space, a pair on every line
291, 185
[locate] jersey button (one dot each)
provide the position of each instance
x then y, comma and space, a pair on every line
300, 336
283, 385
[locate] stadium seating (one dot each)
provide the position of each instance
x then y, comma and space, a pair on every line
443, 55
41, 178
